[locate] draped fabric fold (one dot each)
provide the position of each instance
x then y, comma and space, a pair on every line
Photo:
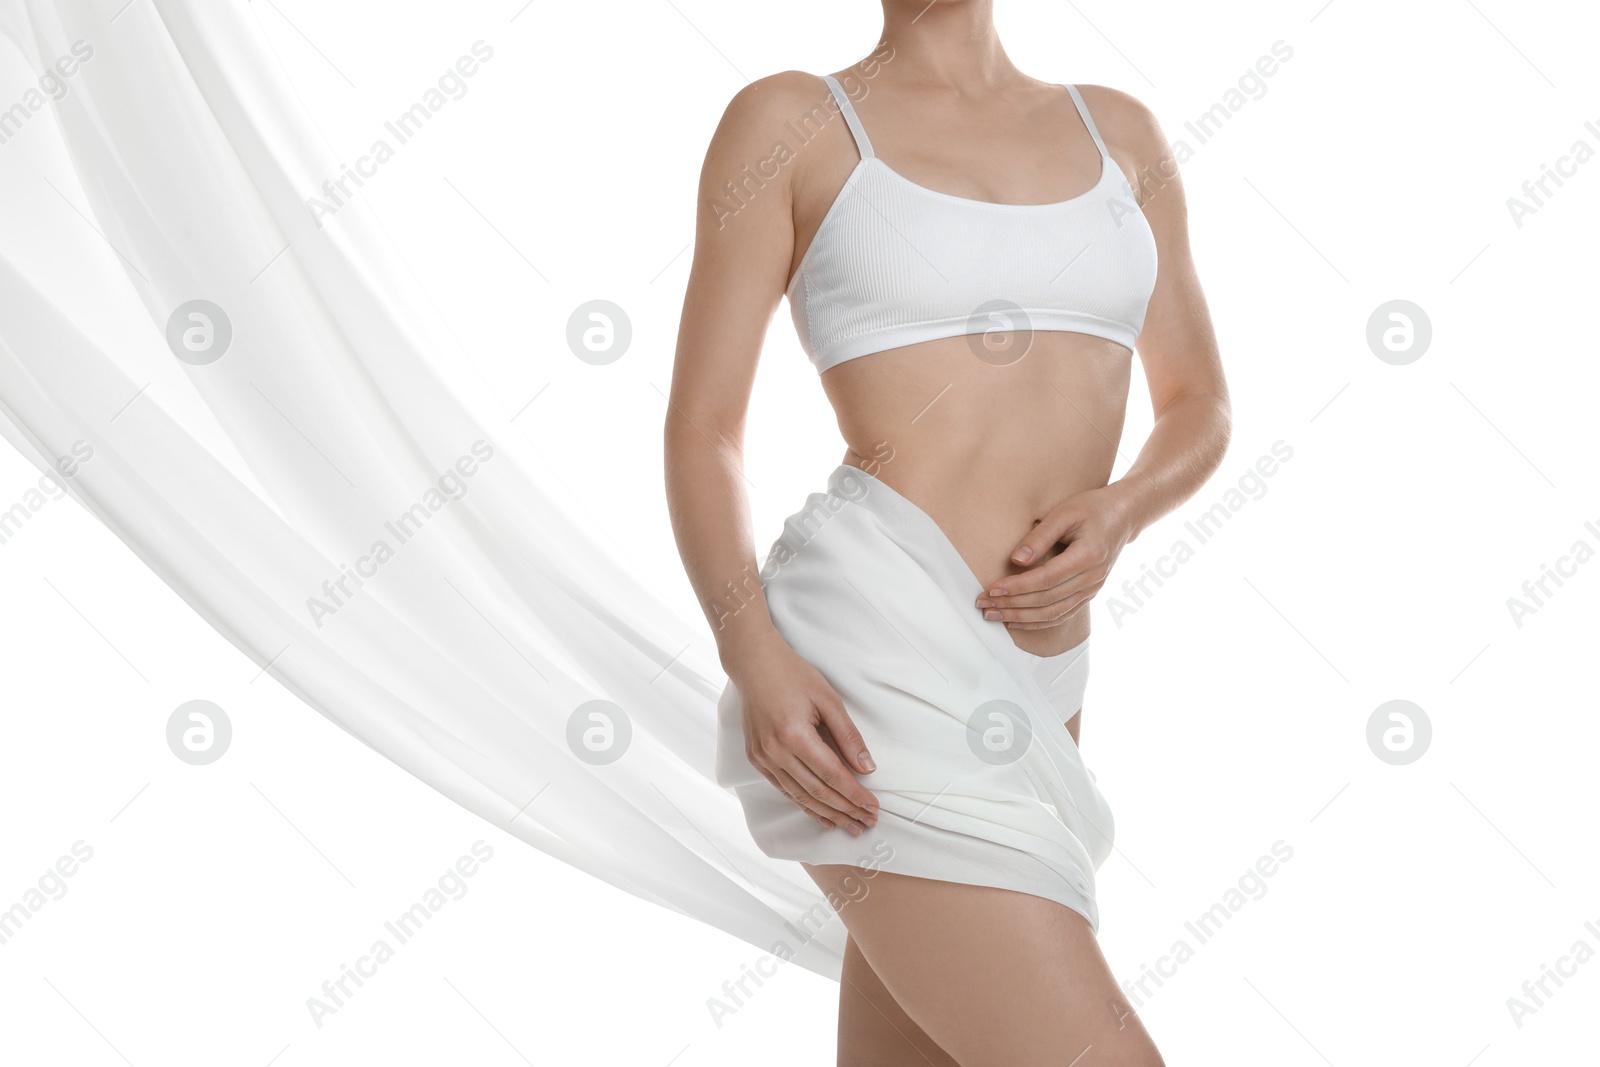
323, 496
979, 779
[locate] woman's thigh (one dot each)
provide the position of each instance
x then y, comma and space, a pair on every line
874, 1030
995, 977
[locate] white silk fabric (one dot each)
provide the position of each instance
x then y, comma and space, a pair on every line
262, 481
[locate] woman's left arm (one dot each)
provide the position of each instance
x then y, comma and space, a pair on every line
1193, 419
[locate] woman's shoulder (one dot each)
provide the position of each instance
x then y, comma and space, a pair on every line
771, 119
777, 98
1123, 119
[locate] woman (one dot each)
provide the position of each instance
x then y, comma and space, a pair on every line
969, 255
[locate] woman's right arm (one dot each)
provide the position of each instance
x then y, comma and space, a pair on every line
743, 247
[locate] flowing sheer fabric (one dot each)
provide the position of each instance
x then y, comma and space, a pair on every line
268, 478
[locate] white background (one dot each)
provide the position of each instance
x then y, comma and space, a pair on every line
1227, 713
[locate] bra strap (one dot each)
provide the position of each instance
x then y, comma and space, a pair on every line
1083, 112
863, 144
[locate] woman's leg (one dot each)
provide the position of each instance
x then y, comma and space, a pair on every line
874, 1030
994, 977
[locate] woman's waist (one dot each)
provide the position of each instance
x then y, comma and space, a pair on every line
984, 495
1054, 417
980, 508
861, 570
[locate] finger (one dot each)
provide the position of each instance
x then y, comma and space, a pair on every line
791, 789
838, 725
1044, 598
812, 769
821, 760
785, 784
802, 796
1042, 616
1068, 610
1078, 558
1051, 604
1052, 528
827, 824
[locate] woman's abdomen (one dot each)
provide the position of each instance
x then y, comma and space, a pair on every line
987, 443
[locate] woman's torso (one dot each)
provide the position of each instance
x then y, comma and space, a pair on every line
985, 433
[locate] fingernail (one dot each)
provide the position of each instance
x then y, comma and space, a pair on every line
997, 591
991, 615
866, 761
985, 602
1023, 554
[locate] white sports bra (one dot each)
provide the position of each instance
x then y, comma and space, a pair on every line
895, 263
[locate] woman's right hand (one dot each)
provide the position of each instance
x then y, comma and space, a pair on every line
795, 729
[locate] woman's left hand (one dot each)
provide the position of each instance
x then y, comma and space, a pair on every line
1095, 526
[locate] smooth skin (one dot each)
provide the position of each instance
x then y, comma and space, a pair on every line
974, 976
1011, 458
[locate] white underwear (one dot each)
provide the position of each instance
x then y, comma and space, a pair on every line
1064, 678
977, 778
